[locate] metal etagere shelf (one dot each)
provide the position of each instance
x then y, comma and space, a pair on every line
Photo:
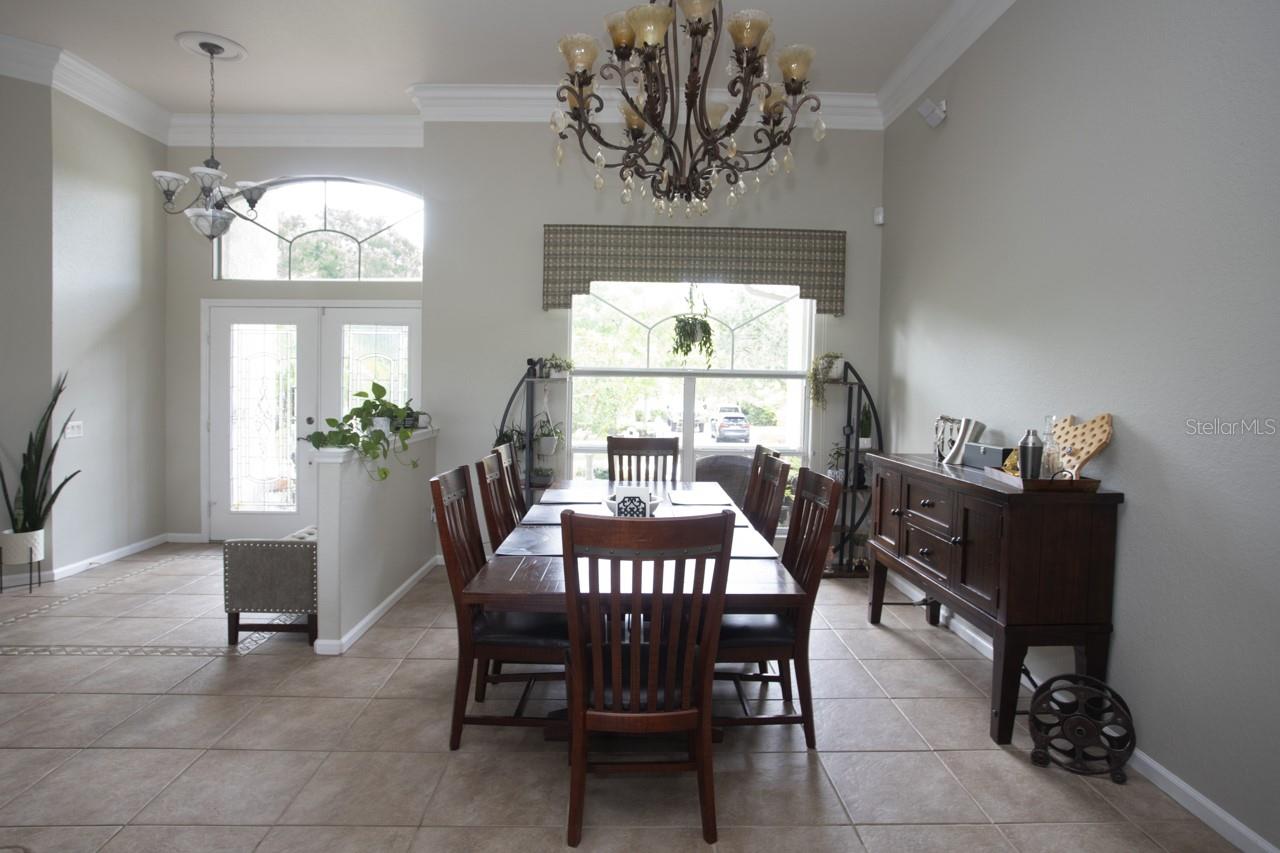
855, 500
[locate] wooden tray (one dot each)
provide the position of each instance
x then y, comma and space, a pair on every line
1084, 484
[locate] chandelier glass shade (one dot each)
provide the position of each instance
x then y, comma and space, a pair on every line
679, 144
209, 211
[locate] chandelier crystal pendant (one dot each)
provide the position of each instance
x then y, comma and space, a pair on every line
209, 212
677, 143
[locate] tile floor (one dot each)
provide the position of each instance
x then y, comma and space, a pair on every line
126, 724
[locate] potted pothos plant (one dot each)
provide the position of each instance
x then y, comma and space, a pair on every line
693, 332
820, 375
554, 367
546, 435
33, 498
366, 429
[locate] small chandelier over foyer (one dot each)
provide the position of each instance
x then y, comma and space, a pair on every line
209, 212
680, 146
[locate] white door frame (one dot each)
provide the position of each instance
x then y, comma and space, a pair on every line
206, 305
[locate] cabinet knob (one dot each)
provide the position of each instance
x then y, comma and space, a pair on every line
925, 552
926, 503
895, 511
956, 540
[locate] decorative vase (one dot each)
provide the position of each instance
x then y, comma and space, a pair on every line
21, 548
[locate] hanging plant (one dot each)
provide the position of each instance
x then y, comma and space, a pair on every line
693, 332
820, 374
366, 429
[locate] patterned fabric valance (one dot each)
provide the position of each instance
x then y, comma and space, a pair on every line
573, 256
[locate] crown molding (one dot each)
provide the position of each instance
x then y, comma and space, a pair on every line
955, 31
245, 130
28, 60
67, 73
95, 88
439, 102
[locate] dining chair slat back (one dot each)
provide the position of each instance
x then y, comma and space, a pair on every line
767, 509
511, 468
752, 496
646, 460
499, 515
460, 541
813, 515
642, 637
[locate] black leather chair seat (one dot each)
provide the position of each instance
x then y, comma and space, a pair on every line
535, 630
755, 629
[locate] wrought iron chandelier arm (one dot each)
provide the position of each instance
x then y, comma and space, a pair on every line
613, 70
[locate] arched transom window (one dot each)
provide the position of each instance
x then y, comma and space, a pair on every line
326, 229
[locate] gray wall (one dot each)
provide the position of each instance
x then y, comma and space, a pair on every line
108, 329
1094, 228
26, 306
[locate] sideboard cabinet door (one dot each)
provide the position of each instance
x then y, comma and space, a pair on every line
886, 511
976, 570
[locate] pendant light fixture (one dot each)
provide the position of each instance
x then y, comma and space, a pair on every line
209, 212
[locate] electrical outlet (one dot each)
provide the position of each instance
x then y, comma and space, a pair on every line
75, 429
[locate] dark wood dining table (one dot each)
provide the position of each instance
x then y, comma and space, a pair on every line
526, 572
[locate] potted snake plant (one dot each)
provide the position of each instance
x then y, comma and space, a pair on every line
32, 500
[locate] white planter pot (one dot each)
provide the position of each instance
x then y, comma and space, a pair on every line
21, 548
383, 424
547, 445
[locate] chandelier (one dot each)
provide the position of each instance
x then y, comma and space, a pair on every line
210, 212
679, 146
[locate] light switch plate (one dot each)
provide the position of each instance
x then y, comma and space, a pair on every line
75, 429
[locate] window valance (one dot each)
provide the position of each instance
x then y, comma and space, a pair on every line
573, 256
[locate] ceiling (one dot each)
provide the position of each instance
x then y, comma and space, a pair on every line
338, 56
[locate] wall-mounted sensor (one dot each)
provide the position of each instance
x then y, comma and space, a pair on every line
933, 113
877, 216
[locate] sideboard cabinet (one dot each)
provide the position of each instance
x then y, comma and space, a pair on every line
1028, 568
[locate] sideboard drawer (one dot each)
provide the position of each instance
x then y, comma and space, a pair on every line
927, 551
925, 500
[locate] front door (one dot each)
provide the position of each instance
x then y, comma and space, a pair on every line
263, 375
275, 374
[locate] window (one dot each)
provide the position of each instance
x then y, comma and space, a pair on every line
628, 382
375, 354
336, 229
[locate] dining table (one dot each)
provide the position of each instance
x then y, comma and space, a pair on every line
526, 571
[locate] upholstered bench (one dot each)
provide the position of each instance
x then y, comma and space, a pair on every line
271, 576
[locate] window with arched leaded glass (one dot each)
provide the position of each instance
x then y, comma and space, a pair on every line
325, 229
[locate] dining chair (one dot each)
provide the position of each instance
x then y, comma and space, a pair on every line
752, 496
511, 467
487, 635
642, 640
643, 459
731, 471
767, 508
499, 514
783, 636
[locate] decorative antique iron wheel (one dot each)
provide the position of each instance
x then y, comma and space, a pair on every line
1081, 725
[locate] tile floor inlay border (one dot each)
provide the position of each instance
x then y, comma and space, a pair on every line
248, 644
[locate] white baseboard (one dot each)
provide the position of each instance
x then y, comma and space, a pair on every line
337, 647
1215, 817
188, 538
114, 554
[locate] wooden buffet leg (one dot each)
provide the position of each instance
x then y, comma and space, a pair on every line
1092, 656
1006, 677
933, 611
879, 571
